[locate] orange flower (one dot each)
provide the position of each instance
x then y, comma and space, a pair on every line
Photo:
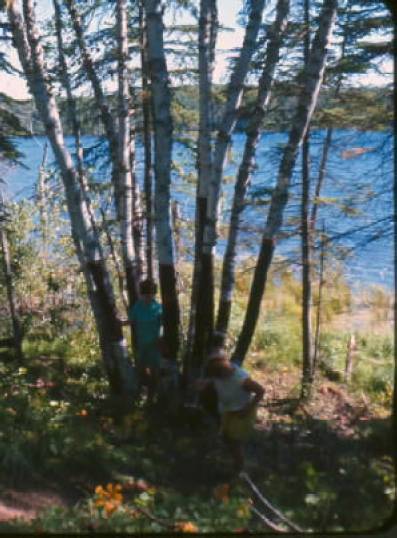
221, 492
110, 507
187, 527
109, 498
82, 413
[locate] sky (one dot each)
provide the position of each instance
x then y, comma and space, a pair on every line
227, 11
17, 88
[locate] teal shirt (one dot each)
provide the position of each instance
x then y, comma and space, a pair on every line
147, 320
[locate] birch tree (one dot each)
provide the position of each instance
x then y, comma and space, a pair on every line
227, 122
118, 139
125, 162
201, 325
312, 76
86, 241
275, 40
163, 129
147, 142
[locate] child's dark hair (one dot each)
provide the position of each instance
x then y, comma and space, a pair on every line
215, 362
148, 287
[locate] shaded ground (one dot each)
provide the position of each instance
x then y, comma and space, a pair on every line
327, 464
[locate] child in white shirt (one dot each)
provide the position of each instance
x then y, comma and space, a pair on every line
238, 396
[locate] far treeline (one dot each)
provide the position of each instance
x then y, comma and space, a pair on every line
355, 108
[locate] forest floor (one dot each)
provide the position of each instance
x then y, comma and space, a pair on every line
332, 456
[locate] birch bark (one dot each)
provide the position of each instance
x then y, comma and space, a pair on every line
205, 309
313, 75
201, 311
147, 143
247, 163
112, 343
72, 110
121, 174
162, 122
124, 154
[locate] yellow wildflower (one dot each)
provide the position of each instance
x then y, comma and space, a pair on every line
243, 512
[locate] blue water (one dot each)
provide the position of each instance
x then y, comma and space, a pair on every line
362, 236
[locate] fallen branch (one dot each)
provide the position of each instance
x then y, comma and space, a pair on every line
267, 503
267, 521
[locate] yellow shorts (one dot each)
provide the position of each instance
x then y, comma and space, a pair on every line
238, 428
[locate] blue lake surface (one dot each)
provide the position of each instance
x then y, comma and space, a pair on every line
363, 183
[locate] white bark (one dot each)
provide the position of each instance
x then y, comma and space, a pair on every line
124, 152
162, 122
247, 163
207, 37
229, 118
147, 143
86, 241
201, 309
72, 111
162, 128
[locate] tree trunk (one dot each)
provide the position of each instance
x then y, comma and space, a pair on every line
113, 345
137, 218
202, 307
147, 144
41, 201
351, 348
313, 75
72, 114
313, 221
226, 126
321, 282
115, 259
124, 154
9, 283
307, 366
162, 120
247, 164
88, 65
121, 174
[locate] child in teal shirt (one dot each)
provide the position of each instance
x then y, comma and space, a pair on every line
146, 317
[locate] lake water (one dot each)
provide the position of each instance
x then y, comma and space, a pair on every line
361, 183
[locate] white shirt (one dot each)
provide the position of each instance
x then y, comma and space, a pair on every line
231, 395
